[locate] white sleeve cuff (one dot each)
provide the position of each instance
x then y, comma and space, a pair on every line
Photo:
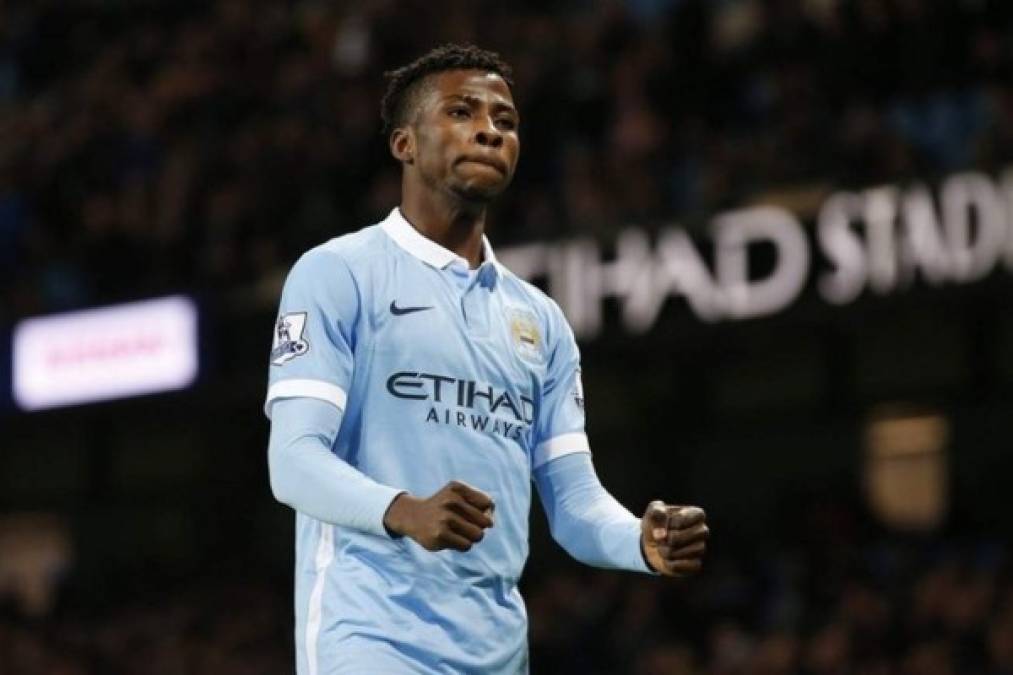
636, 561
557, 446
375, 508
318, 389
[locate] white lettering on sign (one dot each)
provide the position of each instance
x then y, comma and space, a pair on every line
885, 237
734, 233
881, 239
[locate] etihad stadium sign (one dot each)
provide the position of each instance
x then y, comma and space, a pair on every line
761, 259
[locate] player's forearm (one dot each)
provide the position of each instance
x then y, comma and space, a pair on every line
585, 519
307, 476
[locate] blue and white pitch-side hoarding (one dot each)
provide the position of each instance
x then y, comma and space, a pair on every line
105, 353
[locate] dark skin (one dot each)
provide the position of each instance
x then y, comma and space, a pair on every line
458, 153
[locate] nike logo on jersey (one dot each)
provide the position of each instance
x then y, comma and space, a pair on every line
399, 311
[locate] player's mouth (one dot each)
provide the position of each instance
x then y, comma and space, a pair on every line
493, 162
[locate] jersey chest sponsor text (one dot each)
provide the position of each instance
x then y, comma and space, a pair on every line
464, 403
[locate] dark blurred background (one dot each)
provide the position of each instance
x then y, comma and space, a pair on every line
853, 453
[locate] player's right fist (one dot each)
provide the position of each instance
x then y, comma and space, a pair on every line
455, 517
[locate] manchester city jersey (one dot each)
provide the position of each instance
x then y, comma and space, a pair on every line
442, 373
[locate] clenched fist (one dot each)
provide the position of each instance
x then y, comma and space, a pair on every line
674, 538
455, 517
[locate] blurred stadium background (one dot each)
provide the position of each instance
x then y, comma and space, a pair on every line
782, 228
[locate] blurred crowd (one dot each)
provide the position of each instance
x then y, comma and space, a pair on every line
215, 629
152, 146
887, 609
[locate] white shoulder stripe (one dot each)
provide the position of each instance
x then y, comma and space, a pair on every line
325, 391
557, 446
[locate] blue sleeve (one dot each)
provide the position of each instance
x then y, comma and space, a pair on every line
559, 426
585, 519
307, 476
314, 334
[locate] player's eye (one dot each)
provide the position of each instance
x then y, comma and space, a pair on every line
459, 112
506, 123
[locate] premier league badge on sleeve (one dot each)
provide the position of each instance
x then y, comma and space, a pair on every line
288, 338
578, 390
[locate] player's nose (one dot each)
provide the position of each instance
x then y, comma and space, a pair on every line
488, 135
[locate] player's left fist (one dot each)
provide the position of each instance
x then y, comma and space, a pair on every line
674, 538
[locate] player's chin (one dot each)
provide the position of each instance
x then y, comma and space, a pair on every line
480, 191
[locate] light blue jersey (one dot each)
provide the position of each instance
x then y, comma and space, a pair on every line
441, 374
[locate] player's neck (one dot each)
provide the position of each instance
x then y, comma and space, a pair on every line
453, 224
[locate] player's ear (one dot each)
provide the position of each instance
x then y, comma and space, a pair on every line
402, 144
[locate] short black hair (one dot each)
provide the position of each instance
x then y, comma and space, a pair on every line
403, 84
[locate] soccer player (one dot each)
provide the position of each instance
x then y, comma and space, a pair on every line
417, 389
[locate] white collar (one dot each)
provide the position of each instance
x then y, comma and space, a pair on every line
428, 251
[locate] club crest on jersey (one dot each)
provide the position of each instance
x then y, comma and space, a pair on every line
527, 338
288, 338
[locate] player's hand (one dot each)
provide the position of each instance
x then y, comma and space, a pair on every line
674, 538
455, 517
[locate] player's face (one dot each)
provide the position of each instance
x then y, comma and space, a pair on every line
466, 134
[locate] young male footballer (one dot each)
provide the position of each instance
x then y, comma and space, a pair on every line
417, 390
